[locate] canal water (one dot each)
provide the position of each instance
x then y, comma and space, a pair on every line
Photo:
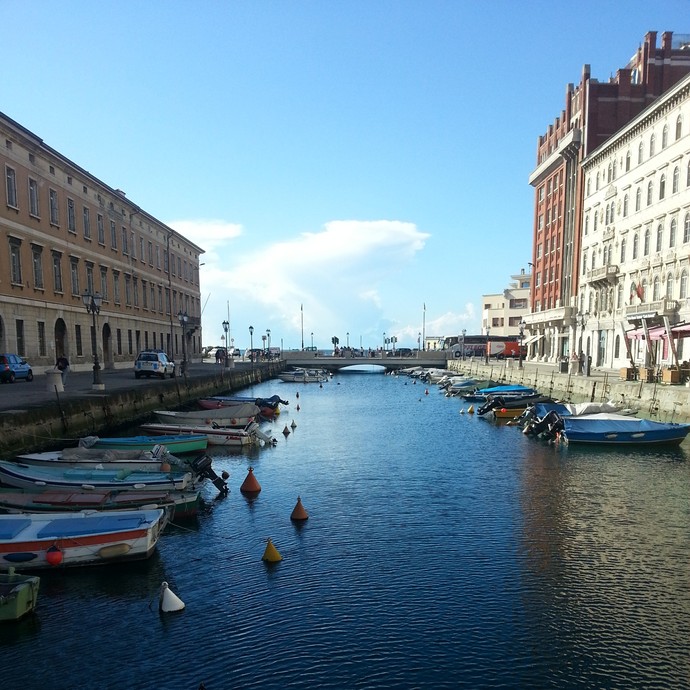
442, 550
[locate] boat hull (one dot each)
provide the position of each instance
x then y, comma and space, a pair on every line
190, 443
60, 540
220, 436
18, 595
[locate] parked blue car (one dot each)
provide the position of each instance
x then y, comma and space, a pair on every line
14, 367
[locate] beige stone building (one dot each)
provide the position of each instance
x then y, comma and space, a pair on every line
64, 233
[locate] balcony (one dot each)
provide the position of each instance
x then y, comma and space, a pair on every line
609, 232
603, 274
549, 316
648, 310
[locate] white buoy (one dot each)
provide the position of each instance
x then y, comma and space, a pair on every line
169, 601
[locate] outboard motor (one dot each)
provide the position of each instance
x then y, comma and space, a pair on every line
202, 467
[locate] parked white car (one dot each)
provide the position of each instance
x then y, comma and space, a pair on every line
153, 363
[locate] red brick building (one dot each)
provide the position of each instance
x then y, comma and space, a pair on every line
593, 112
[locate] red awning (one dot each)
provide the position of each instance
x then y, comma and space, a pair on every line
655, 333
681, 331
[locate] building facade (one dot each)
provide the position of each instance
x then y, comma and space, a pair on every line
503, 313
635, 260
64, 233
593, 112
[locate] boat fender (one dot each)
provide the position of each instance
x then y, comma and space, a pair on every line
207, 421
233, 421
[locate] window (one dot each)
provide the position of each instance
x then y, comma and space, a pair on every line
21, 346
89, 277
100, 229
150, 248
669, 286
116, 287
640, 153
104, 283
37, 262
650, 193
687, 179
135, 291
144, 294
33, 198
652, 145
153, 297
11, 186
625, 206
662, 187
128, 290
53, 201
74, 276
686, 228
589, 186
664, 137
77, 341
586, 225
638, 199
41, 327
125, 248
627, 161
71, 219
683, 285
87, 222
636, 246
647, 238
57, 272
679, 127
623, 245
113, 235
15, 261
142, 247
675, 185
619, 296
656, 288
659, 237
672, 233
584, 262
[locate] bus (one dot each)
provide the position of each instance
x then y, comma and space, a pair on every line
500, 346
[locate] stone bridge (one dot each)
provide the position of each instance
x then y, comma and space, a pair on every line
311, 360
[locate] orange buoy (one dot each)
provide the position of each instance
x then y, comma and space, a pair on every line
250, 485
299, 512
165, 467
54, 555
271, 554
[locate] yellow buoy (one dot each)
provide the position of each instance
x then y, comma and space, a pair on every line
271, 554
470, 409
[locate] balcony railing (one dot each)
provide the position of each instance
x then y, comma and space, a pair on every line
603, 274
647, 310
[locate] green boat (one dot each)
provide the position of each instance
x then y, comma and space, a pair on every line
176, 444
18, 595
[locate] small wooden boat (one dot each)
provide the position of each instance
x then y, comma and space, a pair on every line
176, 444
52, 540
268, 407
18, 594
184, 504
238, 416
25, 476
216, 436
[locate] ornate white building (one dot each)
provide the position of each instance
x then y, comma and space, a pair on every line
635, 249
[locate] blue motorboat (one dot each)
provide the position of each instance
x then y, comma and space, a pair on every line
616, 429
483, 394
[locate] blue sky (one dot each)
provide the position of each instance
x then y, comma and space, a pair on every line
362, 158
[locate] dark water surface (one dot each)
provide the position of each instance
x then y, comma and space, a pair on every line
442, 551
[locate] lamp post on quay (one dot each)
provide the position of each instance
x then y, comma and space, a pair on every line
486, 354
183, 318
251, 345
312, 340
226, 327
522, 337
92, 301
232, 353
464, 333
268, 338
419, 345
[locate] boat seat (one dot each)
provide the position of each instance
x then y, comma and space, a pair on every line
9, 529
97, 524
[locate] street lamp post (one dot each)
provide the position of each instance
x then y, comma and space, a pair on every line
251, 345
347, 335
312, 340
263, 346
582, 322
232, 353
464, 333
226, 326
268, 339
92, 302
522, 336
419, 345
183, 318
486, 354
383, 350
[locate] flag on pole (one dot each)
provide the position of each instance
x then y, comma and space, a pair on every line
640, 291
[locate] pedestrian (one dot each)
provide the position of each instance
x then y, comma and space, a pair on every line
62, 364
582, 363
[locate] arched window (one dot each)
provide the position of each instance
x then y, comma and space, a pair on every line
659, 237
636, 246
686, 228
627, 161
672, 233
594, 259
614, 168
656, 289
640, 153
650, 193
589, 186
596, 218
638, 199
586, 225
669, 286
617, 346
679, 127
662, 187
609, 176
625, 206
647, 238
683, 285
596, 182
652, 144
664, 137
613, 211
619, 296
676, 180
607, 214
584, 262
623, 245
